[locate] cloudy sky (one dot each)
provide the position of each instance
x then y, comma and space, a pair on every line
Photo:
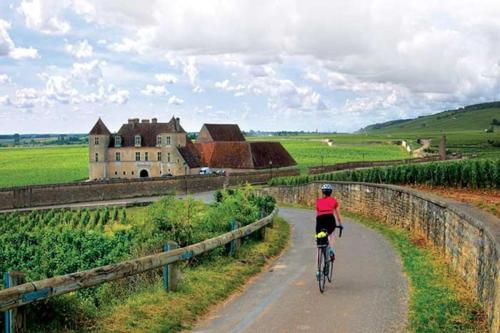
331, 65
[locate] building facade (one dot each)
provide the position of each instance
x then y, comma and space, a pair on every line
141, 149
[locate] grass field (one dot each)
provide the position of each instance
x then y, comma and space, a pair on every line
309, 150
29, 166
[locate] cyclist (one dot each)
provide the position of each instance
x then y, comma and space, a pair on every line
327, 214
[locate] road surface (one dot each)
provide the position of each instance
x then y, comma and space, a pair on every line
368, 294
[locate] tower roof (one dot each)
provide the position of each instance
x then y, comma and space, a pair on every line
99, 128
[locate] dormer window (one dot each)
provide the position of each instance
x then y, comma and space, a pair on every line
158, 140
118, 141
137, 141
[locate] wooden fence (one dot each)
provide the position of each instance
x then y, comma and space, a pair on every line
26, 293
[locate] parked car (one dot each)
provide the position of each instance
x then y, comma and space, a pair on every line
205, 171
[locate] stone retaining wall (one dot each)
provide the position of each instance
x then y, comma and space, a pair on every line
467, 236
58, 194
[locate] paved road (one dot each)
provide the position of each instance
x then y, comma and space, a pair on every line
205, 196
368, 293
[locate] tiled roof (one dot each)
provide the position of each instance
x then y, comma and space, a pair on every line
234, 155
244, 155
190, 155
265, 152
222, 132
99, 128
147, 131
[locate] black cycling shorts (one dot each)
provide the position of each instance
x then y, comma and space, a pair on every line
327, 222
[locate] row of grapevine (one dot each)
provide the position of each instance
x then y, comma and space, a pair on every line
480, 173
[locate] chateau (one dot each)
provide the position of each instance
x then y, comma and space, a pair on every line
149, 148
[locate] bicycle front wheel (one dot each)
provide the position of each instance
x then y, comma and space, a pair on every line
321, 269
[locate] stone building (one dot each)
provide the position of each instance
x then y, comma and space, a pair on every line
141, 149
223, 146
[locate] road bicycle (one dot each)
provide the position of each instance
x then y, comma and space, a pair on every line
325, 262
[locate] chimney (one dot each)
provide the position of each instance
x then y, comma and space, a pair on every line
154, 120
145, 121
130, 121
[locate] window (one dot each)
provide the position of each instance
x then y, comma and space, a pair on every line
124, 173
138, 140
168, 157
158, 140
146, 156
159, 156
96, 140
137, 156
168, 140
118, 141
116, 173
118, 157
97, 157
132, 173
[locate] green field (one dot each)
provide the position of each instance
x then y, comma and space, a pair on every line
309, 150
27, 166
464, 129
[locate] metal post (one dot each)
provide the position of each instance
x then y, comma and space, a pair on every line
170, 272
15, 320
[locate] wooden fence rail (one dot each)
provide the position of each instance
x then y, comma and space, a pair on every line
38, 290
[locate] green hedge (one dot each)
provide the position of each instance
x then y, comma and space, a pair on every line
480, 173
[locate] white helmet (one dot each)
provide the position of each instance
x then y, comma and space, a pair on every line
327, 188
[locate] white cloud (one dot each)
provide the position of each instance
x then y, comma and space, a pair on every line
174, 100
42, 15
151, 90
80, 50
166, 78
119, 97
8, 48
60, 89
89, 72
226, 86
312, 77
4, 78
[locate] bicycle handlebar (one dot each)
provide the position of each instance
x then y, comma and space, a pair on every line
341, 227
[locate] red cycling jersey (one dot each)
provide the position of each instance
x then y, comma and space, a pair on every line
326, 206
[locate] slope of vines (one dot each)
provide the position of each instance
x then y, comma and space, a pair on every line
480, 173
56, 242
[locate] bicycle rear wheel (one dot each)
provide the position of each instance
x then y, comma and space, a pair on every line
321, 268
330, 270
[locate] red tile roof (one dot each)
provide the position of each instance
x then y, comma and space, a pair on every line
221, 132
265, 152
190, 155
244, 155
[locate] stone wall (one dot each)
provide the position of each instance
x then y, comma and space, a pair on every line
468, 237
58, 194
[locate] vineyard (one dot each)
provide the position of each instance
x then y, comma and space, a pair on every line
56, 242
480, 173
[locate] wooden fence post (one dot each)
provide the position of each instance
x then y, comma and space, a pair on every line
235, 244
15, 319
171, 272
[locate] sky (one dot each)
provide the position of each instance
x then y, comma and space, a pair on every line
331, 65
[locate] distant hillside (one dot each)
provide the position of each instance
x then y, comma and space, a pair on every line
472, 117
